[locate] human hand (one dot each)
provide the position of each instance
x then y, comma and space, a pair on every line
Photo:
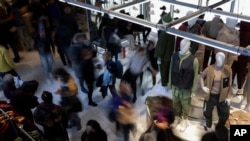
206, 90
227, 101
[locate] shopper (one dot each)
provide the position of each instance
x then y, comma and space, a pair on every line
69, 101
94, 132
52, 118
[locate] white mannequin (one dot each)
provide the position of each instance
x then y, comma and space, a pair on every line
192, 21
184, 46
220, 59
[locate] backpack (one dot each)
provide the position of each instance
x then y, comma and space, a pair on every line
116, 68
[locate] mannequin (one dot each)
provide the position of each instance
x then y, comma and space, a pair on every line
218, 79
183, 82
247, 90
192, 27
164, 50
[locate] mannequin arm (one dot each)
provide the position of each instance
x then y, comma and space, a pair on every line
201, 79
196, 69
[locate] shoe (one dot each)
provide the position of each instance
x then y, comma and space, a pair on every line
184, 125
163, 7
240, 92
92, 104
134, 100
176, 122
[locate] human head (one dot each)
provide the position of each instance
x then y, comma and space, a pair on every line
163, 117
93, 126
220, 59
87, 53
184, 46
107, 56
221, 133
192, 21
8, 79
47, 97
79, 38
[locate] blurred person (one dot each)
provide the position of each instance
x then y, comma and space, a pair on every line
44, 44
98, 3
8, 85
8, 28
221, 133
137, 62
54, 13
108, 76
52, 118
67, 28
79, 41
153, 61
88, 72
69, 101
7, 66
160, 130
94, 132
122, 110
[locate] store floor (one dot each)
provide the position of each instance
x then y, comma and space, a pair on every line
30, 68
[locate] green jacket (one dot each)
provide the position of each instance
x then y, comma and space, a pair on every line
6, 62
165, 46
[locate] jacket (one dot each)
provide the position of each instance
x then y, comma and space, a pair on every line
6, 63
226, 81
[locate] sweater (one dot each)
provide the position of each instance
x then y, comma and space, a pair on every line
6, 63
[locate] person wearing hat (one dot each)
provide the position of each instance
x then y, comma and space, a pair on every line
52, 118
164, 50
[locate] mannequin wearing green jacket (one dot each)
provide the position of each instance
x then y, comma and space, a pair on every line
183, 82
164, 50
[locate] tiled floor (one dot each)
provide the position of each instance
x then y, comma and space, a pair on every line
30, 68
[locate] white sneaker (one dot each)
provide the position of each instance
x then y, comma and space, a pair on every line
183, 125
176, 122
243, 104
240, 91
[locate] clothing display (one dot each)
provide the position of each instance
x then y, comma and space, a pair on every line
183, 79
217, 85
164, 50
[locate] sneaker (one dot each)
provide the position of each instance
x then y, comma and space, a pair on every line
176, 122
243, 104
183, 125
247, 108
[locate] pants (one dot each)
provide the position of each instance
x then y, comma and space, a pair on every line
206, 57
104, 90
90, 85
222, 108
153, 78
74, 119
164, 70
131, 79
64, 58
240, 67
47, 62
126, 128
181, 102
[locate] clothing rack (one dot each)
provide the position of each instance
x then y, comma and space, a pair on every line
14, 126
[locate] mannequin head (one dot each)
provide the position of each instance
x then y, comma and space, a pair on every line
184, 46
192, 21
220, 59
231, 22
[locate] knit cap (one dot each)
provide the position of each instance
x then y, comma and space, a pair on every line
8, 78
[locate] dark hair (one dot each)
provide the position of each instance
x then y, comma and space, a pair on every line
61, 72
221, 132
94, 124
47, 97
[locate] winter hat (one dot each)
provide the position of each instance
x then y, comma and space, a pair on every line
8, 78
167, 18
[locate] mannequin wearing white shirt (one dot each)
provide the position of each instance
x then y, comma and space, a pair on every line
218, 79
183, 82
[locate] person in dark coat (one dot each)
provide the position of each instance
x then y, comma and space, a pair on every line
94, 132
220, 134
52, 118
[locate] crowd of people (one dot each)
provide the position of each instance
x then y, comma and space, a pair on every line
56, 29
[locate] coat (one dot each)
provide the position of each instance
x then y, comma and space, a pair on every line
6, 62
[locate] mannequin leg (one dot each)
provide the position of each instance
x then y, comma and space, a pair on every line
223, 113
209, 107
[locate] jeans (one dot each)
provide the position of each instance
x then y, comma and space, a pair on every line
47, 61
